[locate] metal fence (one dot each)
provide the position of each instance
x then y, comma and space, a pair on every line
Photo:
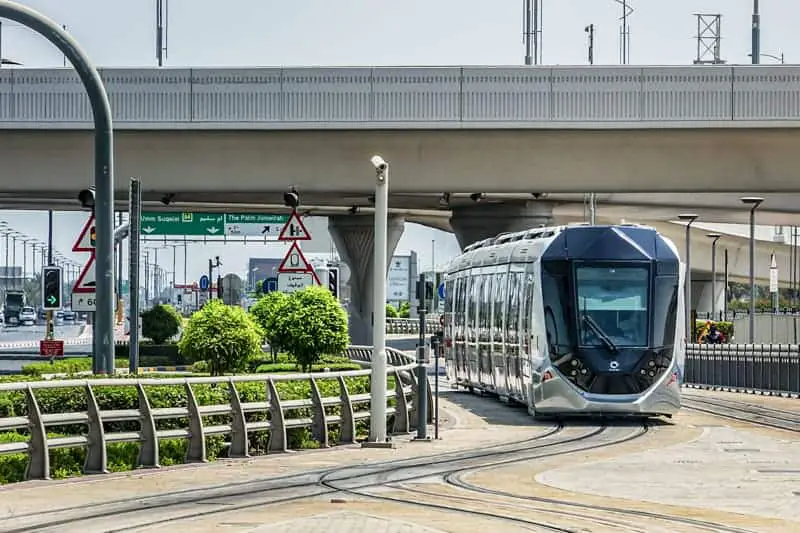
769, 329
275, 411
773, 368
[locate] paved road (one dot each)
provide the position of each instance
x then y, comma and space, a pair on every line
33, 333
13, 359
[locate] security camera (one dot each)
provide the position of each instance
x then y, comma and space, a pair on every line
539, 195
167, 198
86, 198
378, 162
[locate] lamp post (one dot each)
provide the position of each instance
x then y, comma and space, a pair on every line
714, 238
377, 422
753, 202
776, 58
687, 284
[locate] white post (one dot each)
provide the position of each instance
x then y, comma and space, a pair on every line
377, 422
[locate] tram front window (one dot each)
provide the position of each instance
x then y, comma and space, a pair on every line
612, 306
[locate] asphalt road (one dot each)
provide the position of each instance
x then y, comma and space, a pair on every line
33, 333
13, 359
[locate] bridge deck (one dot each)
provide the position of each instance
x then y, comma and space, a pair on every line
411, 97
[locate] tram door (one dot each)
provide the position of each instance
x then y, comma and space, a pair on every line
473, 303
451, 330
527, 342
499, 365
512, 323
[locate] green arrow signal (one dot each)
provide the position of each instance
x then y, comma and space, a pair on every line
51, 299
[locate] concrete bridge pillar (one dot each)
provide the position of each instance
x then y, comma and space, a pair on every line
702, 297
354, 238
480, 221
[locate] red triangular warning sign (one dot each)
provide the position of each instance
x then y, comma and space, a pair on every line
294, 229
86, 238
87, 281
295, 261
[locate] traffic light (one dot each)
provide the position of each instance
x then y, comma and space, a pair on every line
51, 288
86, 198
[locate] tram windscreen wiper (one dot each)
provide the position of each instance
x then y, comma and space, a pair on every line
599, 332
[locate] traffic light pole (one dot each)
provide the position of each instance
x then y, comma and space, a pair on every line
50, 326
422, 371
134, 233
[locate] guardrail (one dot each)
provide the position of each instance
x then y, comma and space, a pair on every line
353, 407
768, 368
410, 326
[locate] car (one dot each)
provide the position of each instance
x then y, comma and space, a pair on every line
27, 317
69, 315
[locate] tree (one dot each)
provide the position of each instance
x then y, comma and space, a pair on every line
405, 310
267, 312
160, 323
391, 311
313, 324
224, 336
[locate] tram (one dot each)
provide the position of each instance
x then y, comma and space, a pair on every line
569, 320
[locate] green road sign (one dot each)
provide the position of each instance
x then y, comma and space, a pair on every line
213, 224
209, 224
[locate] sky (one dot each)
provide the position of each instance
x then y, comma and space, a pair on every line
375, 33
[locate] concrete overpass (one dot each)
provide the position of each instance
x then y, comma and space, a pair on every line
528, 141
457, 129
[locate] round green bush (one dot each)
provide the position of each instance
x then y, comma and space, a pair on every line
160, 323
224, 336
312, 323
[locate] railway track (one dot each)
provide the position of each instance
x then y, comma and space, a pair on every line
356, 480
181, 505
743, 412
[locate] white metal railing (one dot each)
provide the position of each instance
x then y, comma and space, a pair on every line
410, 326
472, 96
352, 408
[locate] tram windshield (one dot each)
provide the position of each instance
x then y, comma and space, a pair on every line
612, 303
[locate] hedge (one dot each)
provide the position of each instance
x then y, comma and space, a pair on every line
122, 456
725, 327
153, 354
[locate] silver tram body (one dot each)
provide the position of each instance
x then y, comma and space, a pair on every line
569, 320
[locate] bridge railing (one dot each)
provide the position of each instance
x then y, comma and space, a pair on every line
773, 368
410, 326
277, 415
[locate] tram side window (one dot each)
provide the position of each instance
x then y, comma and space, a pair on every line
458, 303
512, 300
449, 296
486, 315
469, 302
527, 303
499, 303
474, 295
556, 305
665, 310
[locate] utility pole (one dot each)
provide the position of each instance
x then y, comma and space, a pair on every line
755, 52
162, 15
591, 198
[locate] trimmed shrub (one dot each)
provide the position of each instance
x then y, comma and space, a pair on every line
391, 311
723, 326
224, 336
312, 323
267, 313
122, 456
160, 323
